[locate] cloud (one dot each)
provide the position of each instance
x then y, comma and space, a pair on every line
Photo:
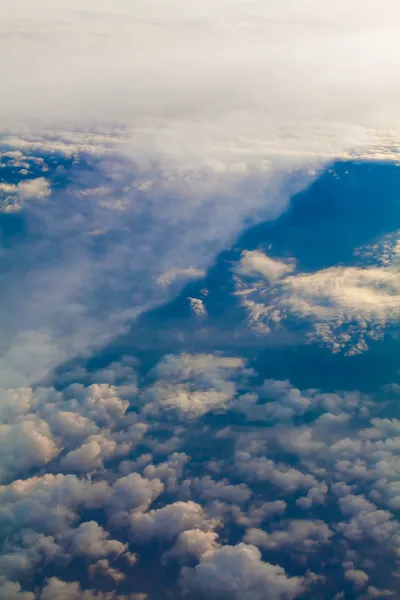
12, 196
188, 274
170, 521
342, 307
11, 590
192, 385
103, 567
56, 588
358, 578
299, 535
92, 541
253, 263
192, 543
198, 307
237, 572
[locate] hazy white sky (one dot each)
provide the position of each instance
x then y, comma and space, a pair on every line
238, 80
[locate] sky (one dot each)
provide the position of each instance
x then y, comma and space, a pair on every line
200, 298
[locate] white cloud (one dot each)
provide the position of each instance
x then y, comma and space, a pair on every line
343, 454
170, 521
11, 590
25, 444
62, 590
342, 306
358, 578
89, 540
188, 274
255, 263
238, 109
192, 543
169, 472
238, 572
103, 567
192, 385
12, 196
134, 492
299, 535
198, 307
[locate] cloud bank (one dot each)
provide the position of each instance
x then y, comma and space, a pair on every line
232, 506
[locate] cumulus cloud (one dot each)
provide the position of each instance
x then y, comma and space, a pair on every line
192, 544
237, 572
300, 535
11, 590
267, 488
168, 522
192, 385
12, 196
25, 445
358, 578
198, 307
255, 263
92, 541
343, 307
188, 274
56, 588
103, 567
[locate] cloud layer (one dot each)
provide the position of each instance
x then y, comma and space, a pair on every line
298, 496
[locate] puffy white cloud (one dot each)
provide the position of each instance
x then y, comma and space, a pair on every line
256, 263
342, 306
168, 472
299, 535
181, 402
168, 522
358, 578
208, 490
12, 196
48, 503
62, 590
28, 552
202, 369
103, 567
261, 468
85, 459
25, 444
192, 544
256, 515
37, 426
198, 307
188, 274
368, 522
238, 572
103, 405
134, 492
189, 386
11, 590
343, 455
91, 541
